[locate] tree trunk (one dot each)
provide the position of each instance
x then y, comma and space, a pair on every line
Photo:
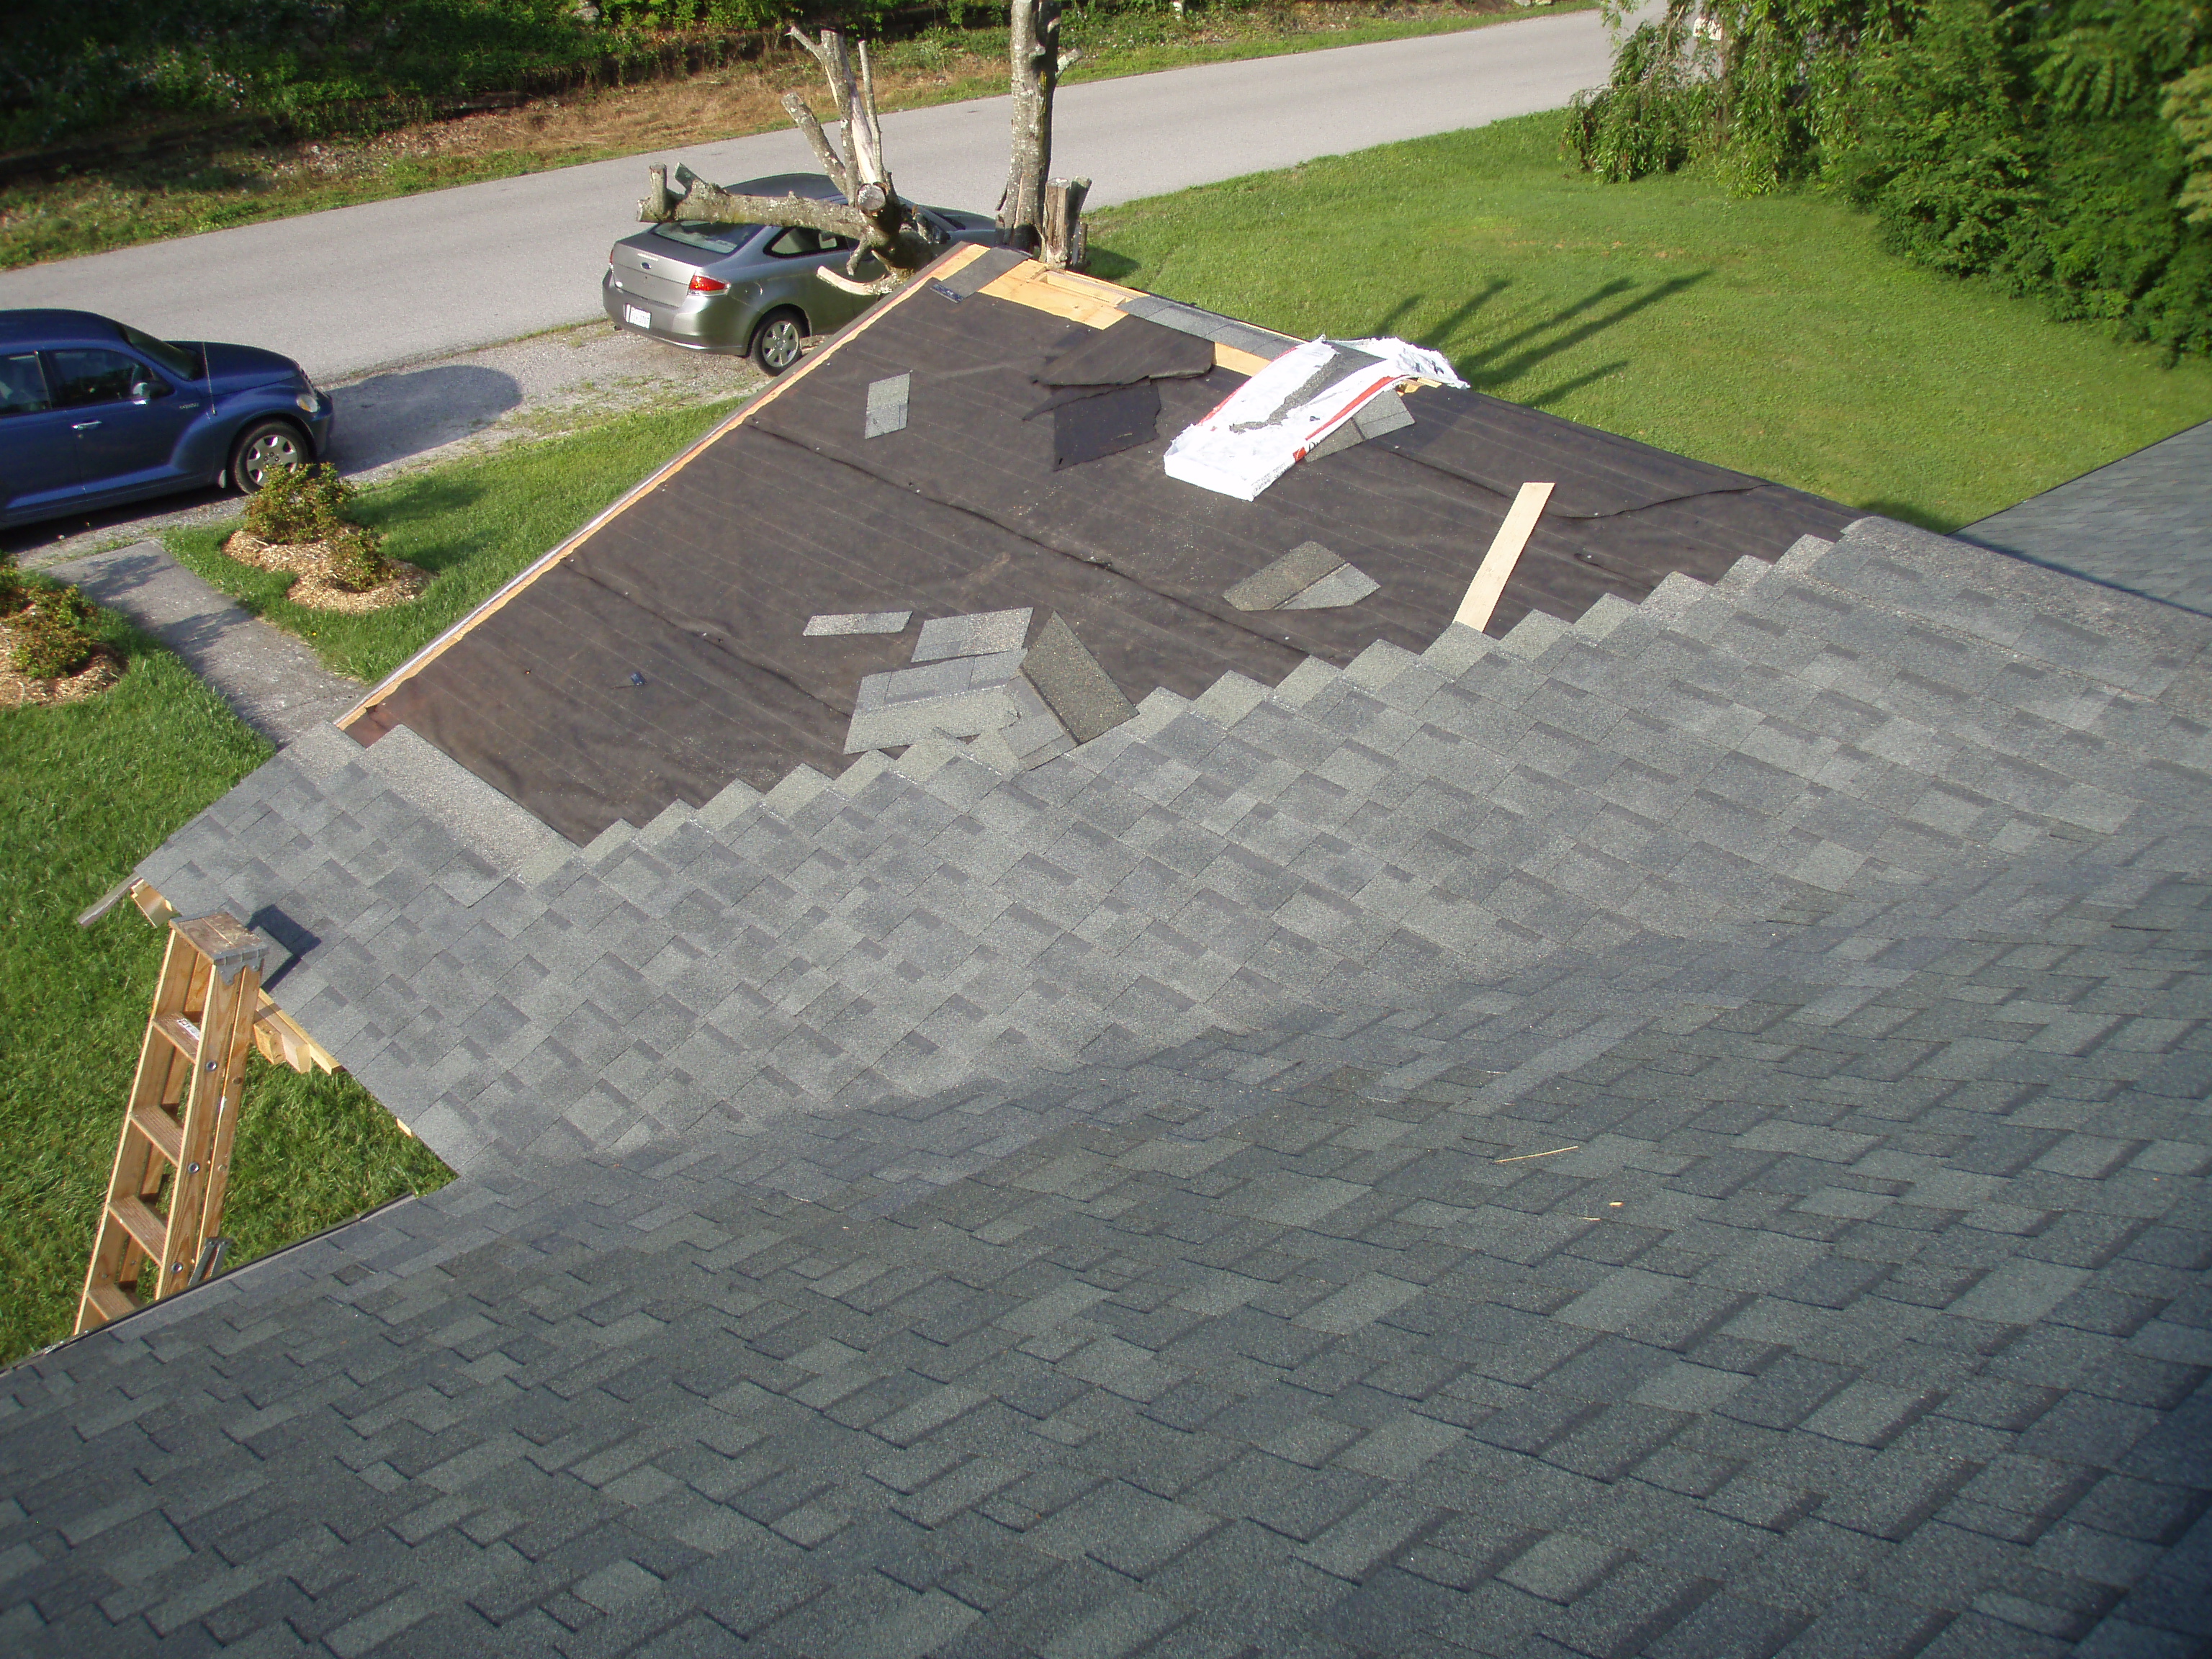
1033, 50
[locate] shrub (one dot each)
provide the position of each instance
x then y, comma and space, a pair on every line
357, 561
308, 504
298, 504
52, 639
14, 592
2058, 147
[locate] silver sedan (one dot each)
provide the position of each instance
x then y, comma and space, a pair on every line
750, 288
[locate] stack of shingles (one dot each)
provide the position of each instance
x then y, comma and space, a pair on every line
978, 676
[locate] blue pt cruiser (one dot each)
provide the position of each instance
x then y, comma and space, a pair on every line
93, 413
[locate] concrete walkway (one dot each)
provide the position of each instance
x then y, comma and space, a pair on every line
271, 678
2143, 523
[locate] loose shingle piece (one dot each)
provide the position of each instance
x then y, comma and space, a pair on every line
976, 635
1307, 578
1208, 325
1035, 735
960, 697
1124, 355
1345, 585
1078, 692
887, 403
857, 621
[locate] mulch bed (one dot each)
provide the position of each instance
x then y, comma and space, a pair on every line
314, 588
18, 691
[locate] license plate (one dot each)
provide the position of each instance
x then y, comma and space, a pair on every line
638, 317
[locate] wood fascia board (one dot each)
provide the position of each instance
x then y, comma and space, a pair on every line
954, 261
151, 905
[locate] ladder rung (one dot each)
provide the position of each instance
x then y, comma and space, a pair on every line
109, 1300
164, 1131
181, 1032
142, 1224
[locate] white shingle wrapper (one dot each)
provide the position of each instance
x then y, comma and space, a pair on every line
1256, 434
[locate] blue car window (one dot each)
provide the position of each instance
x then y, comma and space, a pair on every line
179, 360
94, 377
22, 386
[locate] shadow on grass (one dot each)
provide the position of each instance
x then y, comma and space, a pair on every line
1387, 325
1109, 266
419, 515
1506, 360
1567, 388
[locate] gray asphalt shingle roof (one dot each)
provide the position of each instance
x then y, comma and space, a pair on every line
1682, 1133
2137, 523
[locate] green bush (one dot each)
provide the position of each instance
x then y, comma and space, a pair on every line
2058, 147
52, 637
308, 504
298, 504
357, 560
14, 592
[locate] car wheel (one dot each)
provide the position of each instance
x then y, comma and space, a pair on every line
262, 447
775, 342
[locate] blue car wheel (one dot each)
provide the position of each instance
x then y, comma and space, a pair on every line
262, 447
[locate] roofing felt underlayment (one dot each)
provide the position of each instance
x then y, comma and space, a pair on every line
667, 653
1680, 1132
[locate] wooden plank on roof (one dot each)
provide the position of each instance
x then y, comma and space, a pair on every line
1505, 550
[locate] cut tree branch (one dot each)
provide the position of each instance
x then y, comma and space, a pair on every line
802, 116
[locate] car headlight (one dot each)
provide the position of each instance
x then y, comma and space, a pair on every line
310, 401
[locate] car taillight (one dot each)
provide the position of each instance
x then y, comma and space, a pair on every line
703, 285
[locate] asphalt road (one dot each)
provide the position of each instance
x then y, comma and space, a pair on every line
398, 282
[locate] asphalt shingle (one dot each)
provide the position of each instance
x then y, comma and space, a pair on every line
1676, 1135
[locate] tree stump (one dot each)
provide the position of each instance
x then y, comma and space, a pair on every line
1065, 241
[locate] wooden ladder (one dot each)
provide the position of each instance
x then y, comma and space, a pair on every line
177, 1127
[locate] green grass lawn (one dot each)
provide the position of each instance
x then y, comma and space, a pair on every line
87, 790
1770, 334
473, 524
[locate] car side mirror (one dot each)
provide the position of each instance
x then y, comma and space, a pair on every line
142, 394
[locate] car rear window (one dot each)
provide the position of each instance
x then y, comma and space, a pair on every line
714, 239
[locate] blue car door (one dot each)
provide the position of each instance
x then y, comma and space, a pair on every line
125, 441
38, 450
